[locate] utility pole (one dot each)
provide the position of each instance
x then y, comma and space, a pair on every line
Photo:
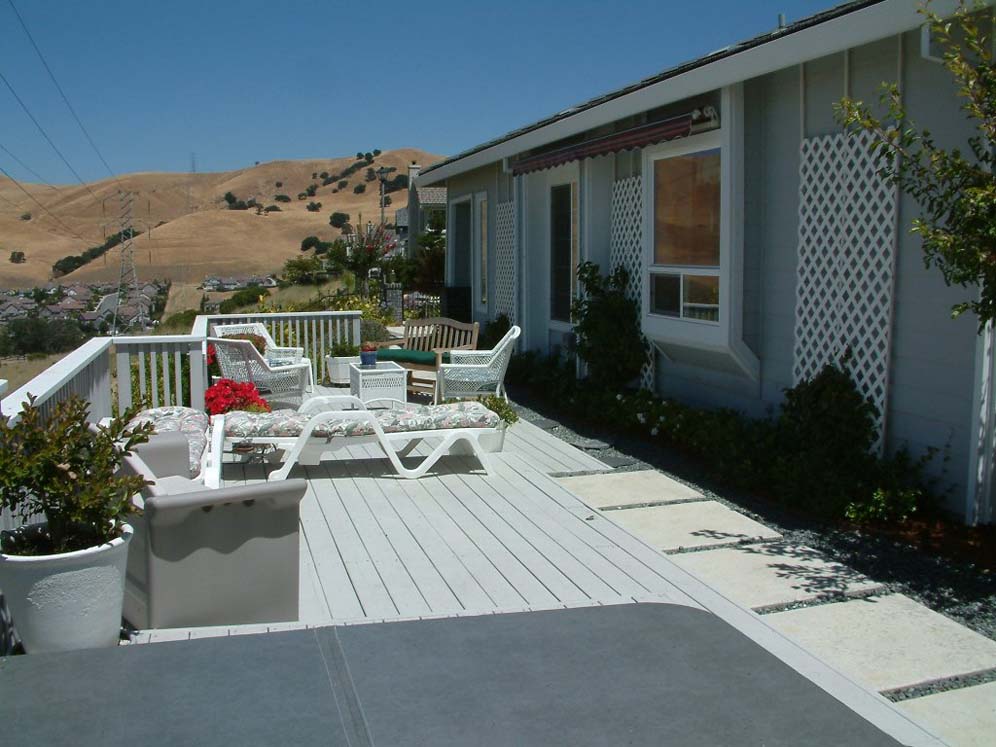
128, 275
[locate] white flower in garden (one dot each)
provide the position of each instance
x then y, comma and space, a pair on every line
619, 397
641, 417
653, 431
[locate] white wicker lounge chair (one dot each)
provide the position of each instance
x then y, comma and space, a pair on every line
321, 426
240, 361
476, 373
274, 354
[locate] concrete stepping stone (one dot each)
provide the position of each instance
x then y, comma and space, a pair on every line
769, 574
962, 718
690, 525
627, 488
887, 642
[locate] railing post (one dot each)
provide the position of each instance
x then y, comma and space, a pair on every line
198, 375
356, 331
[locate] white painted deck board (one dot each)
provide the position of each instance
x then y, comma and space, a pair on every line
375, 547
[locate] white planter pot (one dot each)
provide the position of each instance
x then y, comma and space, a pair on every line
338, 368
494, 443
67, 601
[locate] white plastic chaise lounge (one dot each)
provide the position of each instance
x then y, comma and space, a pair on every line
321, 425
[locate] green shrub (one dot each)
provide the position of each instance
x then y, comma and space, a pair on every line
313, 207
17, 257
311, 189
493, 332
241, 298
272, 209
25, 216
302, 195
607, 324
282, 198
338, 220
230, 198
278, 185
373, 330
310, 242
343, 183
359, 189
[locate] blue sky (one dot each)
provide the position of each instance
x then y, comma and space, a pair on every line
238, 82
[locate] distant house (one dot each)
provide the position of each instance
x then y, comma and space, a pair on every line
424, 204
759, 239
211, 284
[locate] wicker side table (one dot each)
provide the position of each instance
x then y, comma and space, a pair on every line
386, 380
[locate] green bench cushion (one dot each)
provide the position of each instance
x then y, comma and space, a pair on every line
405, 355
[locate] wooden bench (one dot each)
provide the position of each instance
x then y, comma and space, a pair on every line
425, 346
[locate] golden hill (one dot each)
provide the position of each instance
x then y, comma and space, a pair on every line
200, 237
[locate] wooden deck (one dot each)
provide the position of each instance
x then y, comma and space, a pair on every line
375, 547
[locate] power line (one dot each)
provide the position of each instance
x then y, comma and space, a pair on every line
35, 200
47, 138
61, 92
27, 168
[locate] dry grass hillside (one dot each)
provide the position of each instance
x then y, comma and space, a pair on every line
200, 236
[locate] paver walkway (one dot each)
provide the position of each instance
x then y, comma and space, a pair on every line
887, 641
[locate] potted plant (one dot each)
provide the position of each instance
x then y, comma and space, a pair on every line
495, 443
63, 571
338, 360
368, 354
226, 395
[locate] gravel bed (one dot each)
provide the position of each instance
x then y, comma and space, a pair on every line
958, 590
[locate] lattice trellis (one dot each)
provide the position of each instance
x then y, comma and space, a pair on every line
846, 268
626, 244
506, 259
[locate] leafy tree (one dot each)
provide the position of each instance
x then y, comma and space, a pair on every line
310, 242
314, 174
956, 193
369, 250
245, 297
278, 185
324, 175
230, 198
397, 183
387, 200
282, 198
338, 220
370, 175
314, 207
368, 157
342, 183
272, 209
360, 189
302, 195
359, 155
17, 258
312, 188
25, 216
303, 270
338, 258
376, 152
36, 335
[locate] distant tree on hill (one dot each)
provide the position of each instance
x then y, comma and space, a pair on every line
314, 207
368, 157
347, 229
314, 174
338, 220
230, 198
272, 209
17, 258
282, 198
303, 270
343, 183
398, 182
370, 175
324, 175
302, 195
25, 216
278, 185
359, 155
387, 200
310, 242
376, 152
360, 189
312, 188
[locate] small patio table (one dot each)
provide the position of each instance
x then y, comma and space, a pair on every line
385, 380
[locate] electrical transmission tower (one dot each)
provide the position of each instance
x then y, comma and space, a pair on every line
128, 288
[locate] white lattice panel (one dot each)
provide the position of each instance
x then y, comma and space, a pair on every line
506, 257
626, 244
847, 246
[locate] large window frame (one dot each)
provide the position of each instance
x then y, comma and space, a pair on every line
723, 335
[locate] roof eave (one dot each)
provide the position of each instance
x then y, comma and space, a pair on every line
862, 26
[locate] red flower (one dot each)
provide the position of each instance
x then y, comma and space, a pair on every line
227, 395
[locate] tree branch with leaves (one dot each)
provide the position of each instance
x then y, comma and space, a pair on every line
954, 190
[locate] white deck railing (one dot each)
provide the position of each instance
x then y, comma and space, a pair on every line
167, 370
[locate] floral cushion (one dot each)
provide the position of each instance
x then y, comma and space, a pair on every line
190, 422
291, 423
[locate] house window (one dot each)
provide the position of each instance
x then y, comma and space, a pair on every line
483, 234
563, 249
684, 281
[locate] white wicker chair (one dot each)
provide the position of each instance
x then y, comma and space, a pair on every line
476, 373
274, 354
240, 361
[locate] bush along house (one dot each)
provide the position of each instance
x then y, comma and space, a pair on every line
760, 239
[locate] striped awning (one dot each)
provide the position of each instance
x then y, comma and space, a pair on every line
636, 137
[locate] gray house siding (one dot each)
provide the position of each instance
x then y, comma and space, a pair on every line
933, 357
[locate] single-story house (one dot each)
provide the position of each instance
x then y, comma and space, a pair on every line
760, 240
424, 203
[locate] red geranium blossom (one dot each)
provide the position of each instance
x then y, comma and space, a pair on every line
226, 395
